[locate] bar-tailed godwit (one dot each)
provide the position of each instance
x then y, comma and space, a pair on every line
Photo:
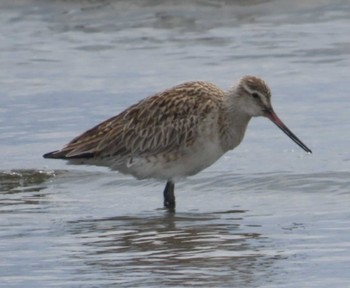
175, 133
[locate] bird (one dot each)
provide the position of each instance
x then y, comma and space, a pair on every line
175, 133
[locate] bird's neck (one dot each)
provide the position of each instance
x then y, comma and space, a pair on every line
235, 122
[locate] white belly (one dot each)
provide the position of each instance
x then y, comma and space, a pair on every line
176, 165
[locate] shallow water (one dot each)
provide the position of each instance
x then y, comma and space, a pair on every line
265, 215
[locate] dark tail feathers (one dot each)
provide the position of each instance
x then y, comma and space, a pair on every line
63, 155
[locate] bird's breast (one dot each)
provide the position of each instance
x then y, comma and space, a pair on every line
182, 162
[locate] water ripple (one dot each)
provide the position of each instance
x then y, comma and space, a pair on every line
141, 245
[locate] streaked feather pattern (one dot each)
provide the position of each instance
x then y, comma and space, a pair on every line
159, 124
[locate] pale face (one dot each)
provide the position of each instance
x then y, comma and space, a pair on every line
255, 96
256, 101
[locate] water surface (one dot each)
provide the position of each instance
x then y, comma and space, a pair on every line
265, 215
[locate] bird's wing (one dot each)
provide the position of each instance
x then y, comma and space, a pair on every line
157, 124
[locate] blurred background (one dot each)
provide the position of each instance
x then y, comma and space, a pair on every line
265, 215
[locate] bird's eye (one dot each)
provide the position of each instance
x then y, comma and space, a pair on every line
255, 95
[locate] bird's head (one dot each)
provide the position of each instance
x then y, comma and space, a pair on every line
255, 96
254, 99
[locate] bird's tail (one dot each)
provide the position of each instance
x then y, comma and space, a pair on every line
61, 154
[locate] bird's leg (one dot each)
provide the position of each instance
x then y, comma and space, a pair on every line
169, 197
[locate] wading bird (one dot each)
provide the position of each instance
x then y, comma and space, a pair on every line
175, 133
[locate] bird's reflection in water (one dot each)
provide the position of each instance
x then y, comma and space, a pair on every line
160, 249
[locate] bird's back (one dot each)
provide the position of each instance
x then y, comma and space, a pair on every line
158, 125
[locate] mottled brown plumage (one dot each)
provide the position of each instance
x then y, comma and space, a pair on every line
175, 133
154, 125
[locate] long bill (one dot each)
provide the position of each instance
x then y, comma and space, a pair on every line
274, 118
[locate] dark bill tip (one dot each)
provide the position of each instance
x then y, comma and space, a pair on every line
274, 118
